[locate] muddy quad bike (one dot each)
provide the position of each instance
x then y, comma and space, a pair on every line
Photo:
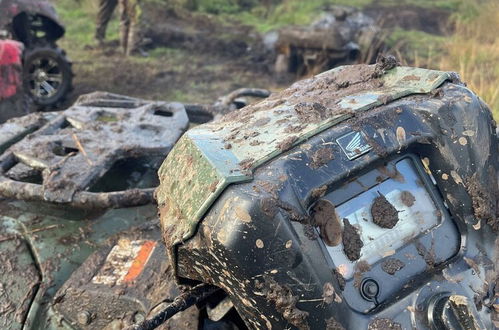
343, 35
47, 70
71, 181
363, 198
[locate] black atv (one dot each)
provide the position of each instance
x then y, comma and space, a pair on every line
363, 198
47, 70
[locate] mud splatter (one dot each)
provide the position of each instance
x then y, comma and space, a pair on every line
383, 64
407, 198
339, 278
269, 207
428, 256
247, 163
332, 324
311, 112
352, 244
329, 294
384, 324
485, 198
262, 121
384, 213
360, 268
324, 216
287, 143
319, 192
285, 302
392, 265
321, 157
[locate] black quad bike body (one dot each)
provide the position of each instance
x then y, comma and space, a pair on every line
47, 71
363, 198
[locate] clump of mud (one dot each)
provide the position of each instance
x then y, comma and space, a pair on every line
287, 143
332, 324
321, 157
407, 198
428, 256
360, 268
285, 302
352, 244
485, 199
340, 279
392, 265
383, 64
324, 216
384, 213
311, 112
384, 324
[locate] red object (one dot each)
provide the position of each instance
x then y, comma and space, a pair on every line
10, 67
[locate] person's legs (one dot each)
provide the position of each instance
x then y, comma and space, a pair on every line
134, 35
124, 24
106, 9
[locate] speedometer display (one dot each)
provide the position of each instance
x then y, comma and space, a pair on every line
378, 221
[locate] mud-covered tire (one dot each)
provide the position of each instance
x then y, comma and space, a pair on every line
48, 76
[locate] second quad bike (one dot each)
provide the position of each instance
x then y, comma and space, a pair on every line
47, 70
70, 182
343, 35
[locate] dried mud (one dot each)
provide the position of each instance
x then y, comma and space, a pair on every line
392, 265
324, 216
485, 199
428, 256
332, 324
285, 302
360, 268
384, 213
407, 198
384, 324
352, 244
321, 157
339, 278
329, 294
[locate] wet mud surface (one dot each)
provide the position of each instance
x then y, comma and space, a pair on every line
392, 265
384, 213
485, 199
285, 302
325, 217
352, 244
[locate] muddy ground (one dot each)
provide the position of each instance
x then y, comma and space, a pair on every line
196, 57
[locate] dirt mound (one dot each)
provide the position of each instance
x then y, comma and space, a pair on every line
182, 29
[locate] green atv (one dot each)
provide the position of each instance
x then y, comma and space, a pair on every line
362, 198
71, 181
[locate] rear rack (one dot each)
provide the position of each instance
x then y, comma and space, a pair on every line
72, 149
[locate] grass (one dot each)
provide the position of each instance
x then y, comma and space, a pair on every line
472, 51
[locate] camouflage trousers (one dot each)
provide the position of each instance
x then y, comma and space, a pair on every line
130, 26
106, 9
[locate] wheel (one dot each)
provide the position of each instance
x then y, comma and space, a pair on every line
47, 75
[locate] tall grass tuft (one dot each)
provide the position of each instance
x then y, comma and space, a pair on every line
473, 51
